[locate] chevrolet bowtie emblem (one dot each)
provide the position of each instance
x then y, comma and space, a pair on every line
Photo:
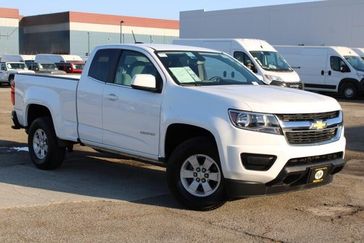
318, 125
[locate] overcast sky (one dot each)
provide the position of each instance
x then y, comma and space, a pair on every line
146, 8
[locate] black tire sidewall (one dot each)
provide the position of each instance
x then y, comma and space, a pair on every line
55, 153
200, 145
353, 87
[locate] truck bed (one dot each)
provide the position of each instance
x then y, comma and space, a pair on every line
61, 100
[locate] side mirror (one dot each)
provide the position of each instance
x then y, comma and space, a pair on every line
344, 69
145, 82
251, 66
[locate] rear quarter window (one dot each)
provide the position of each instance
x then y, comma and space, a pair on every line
103, 64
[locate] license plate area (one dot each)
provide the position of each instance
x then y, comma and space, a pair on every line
318, 174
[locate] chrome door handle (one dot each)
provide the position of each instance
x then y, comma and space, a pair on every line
112, 97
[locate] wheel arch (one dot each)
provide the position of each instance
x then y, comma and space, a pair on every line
348, 80
178, 133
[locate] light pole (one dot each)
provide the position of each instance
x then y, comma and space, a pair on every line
88, 43
121, 31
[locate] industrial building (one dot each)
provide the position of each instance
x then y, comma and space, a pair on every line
9, 31
78, 33
334, 22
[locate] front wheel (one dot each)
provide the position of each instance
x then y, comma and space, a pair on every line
44, 150
349, 91
194, 175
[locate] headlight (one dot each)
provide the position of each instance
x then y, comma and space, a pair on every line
273, 78
278, 83
258, 122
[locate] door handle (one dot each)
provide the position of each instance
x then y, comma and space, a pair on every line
322, 72
112, 97
329, 73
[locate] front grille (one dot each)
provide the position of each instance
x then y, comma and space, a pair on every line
309, 136
294, 85
309, 117
315, 159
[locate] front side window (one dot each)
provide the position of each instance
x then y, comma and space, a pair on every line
245, 59
16, 66
356, 62
103, 64
132, 63
205, 68
337, 64
271, 61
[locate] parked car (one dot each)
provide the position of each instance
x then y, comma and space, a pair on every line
201, 113
327, 68
258, 55
9, 69
50, 68
67, 63
27, 59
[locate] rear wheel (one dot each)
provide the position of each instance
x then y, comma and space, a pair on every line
349, 91
194, 175
44, 150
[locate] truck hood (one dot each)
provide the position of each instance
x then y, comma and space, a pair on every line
271, 99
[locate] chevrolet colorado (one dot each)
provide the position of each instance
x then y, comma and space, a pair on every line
221, 133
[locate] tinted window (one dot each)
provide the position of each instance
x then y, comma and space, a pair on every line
103, 64
132, 63
338, 64
242, 57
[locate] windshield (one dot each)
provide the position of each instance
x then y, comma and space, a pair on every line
355, 62
271, 61
78, 66
205, 68
16, 65
49, 66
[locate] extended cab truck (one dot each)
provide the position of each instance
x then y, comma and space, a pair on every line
221, 134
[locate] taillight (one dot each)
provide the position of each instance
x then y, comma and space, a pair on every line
12, 91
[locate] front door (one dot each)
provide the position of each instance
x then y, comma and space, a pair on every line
337, 71
131, 117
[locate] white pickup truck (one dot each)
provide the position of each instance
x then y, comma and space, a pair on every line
221, 133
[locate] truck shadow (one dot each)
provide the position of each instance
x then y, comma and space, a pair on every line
355, 138
90, 174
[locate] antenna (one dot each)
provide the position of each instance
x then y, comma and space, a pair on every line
135, 41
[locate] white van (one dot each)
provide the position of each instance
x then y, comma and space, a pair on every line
327, 68
67, 63
258, 55
27, 59
360, 52
57, 58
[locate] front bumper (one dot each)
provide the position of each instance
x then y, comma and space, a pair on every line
291, 178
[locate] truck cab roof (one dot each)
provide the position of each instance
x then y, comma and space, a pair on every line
157, 47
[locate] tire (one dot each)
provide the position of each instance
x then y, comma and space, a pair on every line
349, 91
44, 151
187, 179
